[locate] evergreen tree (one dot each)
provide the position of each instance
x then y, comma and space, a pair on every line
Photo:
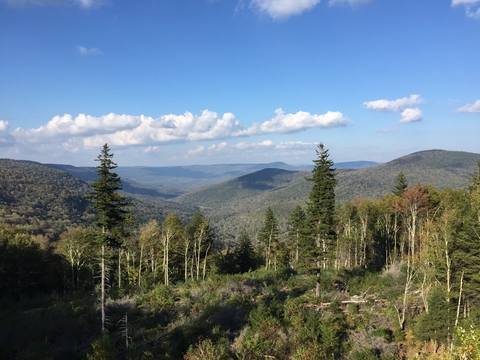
268, 236
244, 254
320, 212
296, 230
437, 324
111, 210
401, 184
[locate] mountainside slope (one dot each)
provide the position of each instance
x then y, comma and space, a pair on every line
438, 167
39, 197
242, 202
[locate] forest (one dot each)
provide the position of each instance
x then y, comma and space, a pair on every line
396, 277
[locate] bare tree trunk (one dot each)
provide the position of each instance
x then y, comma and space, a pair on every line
102, 296
205, 262
140, 266
185, 259
459, 300
120, 268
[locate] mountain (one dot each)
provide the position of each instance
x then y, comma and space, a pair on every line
242, 202
44, 196
438, 167
41, 198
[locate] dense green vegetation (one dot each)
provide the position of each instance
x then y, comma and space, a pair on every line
393, 277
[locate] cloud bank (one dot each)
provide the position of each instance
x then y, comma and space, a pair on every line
409, 112
129, 130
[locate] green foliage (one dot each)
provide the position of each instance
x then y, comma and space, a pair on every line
102, 349
109, 206
44, 200
401, 184
244, 255
320, 210
269, 238
469, 347
438, 323
207, 350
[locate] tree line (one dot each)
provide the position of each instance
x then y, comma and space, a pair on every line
429, 236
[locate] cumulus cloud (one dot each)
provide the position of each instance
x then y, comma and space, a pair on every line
278, 9
128, 130
472, 7
61, 127
411, 115
475, 108
393, 105
196, 151
405, 105
92, 51
290, 123
5, 138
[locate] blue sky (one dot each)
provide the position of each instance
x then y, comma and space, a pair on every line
178, 82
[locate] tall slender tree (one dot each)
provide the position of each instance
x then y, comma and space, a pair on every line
320, 212
268, 236
296, 231
112, 212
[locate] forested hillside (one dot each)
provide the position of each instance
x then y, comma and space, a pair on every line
396, 277
241, 202
40, 198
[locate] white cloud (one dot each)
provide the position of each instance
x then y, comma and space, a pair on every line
218, 147
195, 152
464, 2
393, 105
404, 105
128, 130
61, 127
93, 51
475, 108
290, 123
5, 138
411, 115
295, 145
150, 149
278, 9
254, 146
472, 7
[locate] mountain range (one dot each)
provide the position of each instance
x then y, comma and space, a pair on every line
233, 196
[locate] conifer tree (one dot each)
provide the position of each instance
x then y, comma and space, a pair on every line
320, 212
401, 184
268, 236
244, 253
111, 210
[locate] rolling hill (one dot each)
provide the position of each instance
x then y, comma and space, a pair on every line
241, 203
52, 196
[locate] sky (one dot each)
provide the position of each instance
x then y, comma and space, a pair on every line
184, 82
